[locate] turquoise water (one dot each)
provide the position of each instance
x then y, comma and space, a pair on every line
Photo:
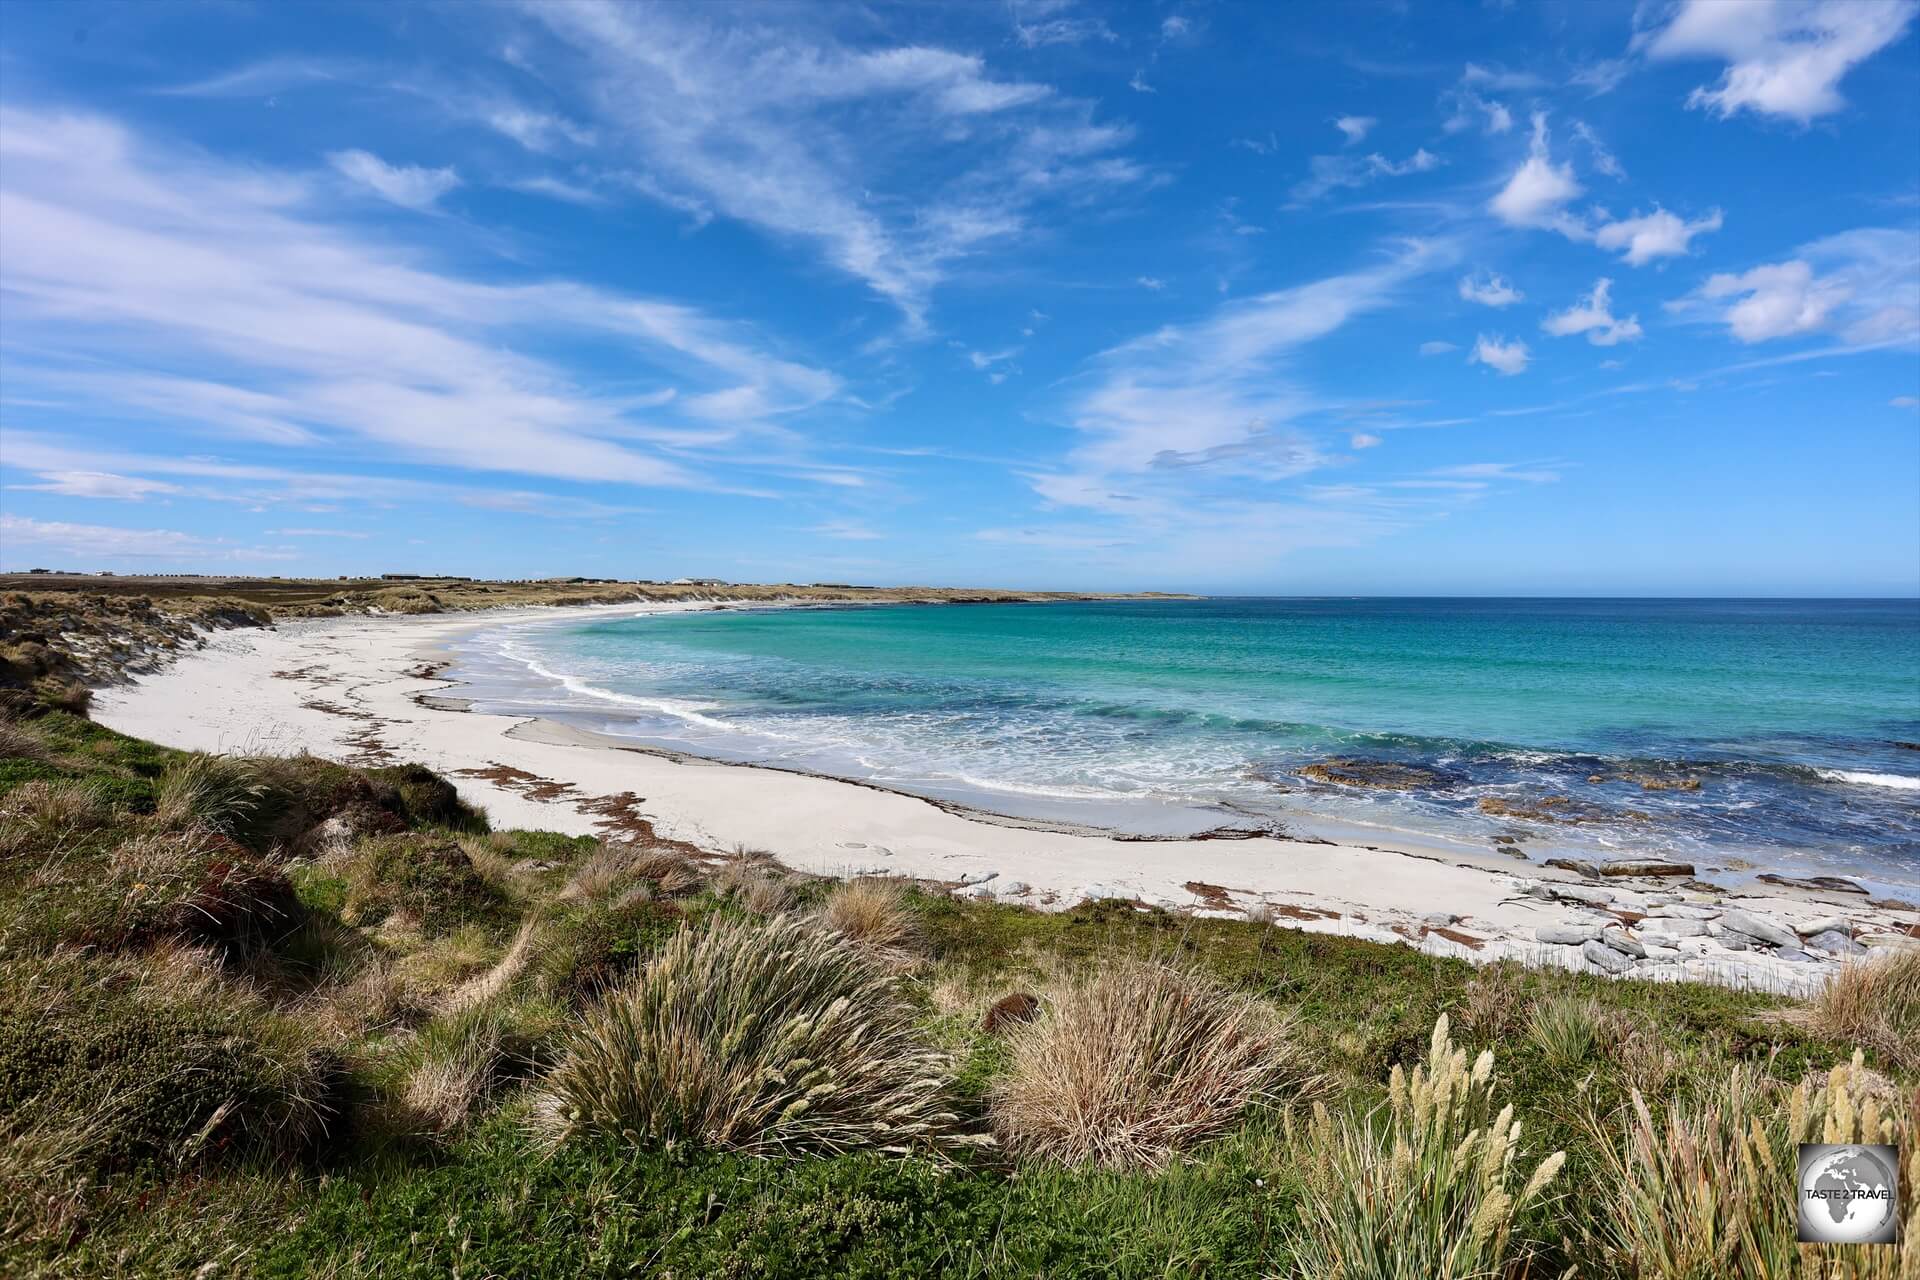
1181, 715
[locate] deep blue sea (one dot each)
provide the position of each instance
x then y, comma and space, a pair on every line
1176, 716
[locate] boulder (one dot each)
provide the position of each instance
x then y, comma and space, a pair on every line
1683, 911
1567, 935
1384, 775
1758, 928
1728, 938
1581, 894
1835, 943
1018, 887
1794, 954
1673, 927
1826, 884
978, 877
1605, 958
1439, 919
1825, 924
1625, 943
1578, 866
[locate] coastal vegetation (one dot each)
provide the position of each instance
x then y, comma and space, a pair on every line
282, 1016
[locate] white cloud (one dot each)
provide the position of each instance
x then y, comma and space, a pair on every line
1153, 284
1437, 348
1489, 290
1501, 355
1355, 128
1328, 173
1139, 82
1784, 58
535, 130
1654, 235
318, 533
99, 484
1593, 316
104, 542
846, 531
1775, 301
776, 124
1502, 79
1537, 193
319, 335
1365, 440
1905, 402
559, 189
1210, 397
1174, 26
408, 186
1863, 284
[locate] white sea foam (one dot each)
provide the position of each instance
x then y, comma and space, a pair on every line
1861, 778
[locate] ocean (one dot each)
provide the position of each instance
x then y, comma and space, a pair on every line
1794, 719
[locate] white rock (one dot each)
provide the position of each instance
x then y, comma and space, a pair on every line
978, 877
1825, 924
1745, 922
1582, 894
1439, 919
1835, 943
1620, 940
1673, 926
1682, 911
1567, 935
1601, 956
1018, 887
979, 891
1098, 890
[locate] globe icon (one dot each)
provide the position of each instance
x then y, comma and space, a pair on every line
1846, 1195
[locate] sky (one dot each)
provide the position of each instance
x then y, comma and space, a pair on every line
1454, 298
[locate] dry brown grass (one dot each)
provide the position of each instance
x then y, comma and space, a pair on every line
1875, 1003
52, 807
872, 913
1496, 1001
20, 741
1138, 1063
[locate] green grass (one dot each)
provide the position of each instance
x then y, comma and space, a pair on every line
416, 984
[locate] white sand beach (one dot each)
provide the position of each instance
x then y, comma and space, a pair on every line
365, 689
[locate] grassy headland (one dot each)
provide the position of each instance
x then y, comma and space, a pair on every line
283, 1016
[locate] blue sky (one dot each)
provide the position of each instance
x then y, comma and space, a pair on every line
1426, 298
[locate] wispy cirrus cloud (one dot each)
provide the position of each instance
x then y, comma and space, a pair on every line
786, 128
409, 186
301, 333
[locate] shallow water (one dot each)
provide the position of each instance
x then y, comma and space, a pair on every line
1176, 716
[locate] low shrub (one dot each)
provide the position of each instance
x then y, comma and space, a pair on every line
425, 875
585, 948
1704, 1188
1430, 1190
1875, 1003
759, 1037
1138, 1063
116, 1062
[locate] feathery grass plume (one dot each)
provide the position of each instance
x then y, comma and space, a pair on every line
763, 1037
1875, 1002
1133, 1065
872, 912
1705, 1187
1563, 1029
1431, 1190
219, 793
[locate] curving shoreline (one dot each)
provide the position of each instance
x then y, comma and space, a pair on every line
367, 688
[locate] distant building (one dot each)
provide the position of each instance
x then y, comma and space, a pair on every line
699, 582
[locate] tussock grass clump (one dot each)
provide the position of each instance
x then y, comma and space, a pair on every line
50, 808
424, 876
200, 887
1703, 1188
1876, 1003
1138, 1063
584, 948
1563, 1028
873, 913
766, 1038
457, 1062
1430, 1189
218, 793
20, 742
